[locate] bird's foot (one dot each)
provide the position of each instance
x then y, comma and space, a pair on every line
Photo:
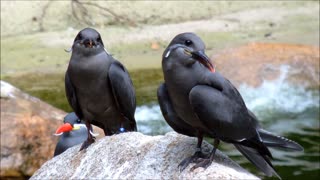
87, 143
204, 163
196, 157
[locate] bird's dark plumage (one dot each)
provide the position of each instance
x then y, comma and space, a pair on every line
197, 101
170, 115
124, 97
74, 136
98, 87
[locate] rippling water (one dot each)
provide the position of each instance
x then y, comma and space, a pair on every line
282, 108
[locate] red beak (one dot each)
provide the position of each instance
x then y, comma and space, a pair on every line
64, 128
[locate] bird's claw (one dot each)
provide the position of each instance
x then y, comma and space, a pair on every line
204, 163
195, 158
185, 163
198, 160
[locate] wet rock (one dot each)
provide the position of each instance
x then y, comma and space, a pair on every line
27, 128
137, 156
256, 62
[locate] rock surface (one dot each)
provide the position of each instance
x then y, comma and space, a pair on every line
137, 156
255, 62
27, 125
27, 128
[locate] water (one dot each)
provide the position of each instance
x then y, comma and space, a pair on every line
150, 120
282, 108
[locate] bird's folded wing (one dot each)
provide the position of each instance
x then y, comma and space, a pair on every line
222, 116
72, 96
169, 114
122, 90
217, 81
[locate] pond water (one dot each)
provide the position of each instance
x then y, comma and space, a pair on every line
282, 108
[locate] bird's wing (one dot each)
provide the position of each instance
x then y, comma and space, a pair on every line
227, 89
123, 91
72, 96
214, 80
262, 162
217, 81
220, 114
224, 119
169, 114
236, 93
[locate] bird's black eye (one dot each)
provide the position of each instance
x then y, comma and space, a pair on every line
78, 120
99, 39
188, 42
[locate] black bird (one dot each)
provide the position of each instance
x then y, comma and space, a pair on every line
98, 87
72, 132
197, 101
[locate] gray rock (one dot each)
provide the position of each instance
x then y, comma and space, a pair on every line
137, 156
9, 91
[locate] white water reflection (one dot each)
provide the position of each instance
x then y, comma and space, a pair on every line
148, 113
150, 120
279, 96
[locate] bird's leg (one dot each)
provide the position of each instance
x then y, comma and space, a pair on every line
122, 129
90, 138
106, 133
194, 158
207, 161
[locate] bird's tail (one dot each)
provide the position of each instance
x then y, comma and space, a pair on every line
262, 162
275, 141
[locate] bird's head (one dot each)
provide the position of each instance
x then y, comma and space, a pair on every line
187, 49
88, 41
70, 123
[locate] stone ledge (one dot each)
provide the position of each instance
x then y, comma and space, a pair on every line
137, 156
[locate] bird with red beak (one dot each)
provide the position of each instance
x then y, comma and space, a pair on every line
72, 132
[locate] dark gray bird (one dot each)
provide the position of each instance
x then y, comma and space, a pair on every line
197, 101
98, 87
72, 132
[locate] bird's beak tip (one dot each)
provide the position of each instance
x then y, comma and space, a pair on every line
203, 59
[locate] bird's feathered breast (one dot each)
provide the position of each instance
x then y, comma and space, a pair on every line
87, 71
